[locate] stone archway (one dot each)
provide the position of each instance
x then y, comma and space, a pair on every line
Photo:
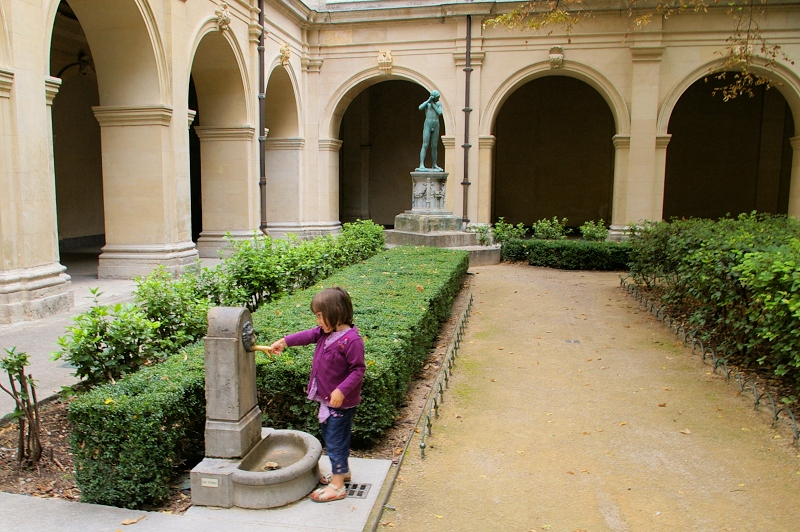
228, 194
284, 154
554, 153
76, 144
728, 157
145, 207
381, 138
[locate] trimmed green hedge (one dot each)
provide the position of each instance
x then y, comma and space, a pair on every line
128, 438
568, 254
400, 297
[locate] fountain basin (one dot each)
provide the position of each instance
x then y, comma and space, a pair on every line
244, 483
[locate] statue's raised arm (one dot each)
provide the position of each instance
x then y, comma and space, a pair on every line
430, 132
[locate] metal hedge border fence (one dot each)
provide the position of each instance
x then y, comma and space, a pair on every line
707, 352
442, 381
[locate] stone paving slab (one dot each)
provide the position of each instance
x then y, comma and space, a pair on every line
31, 514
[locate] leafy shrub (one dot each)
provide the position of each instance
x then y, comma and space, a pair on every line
732, 280
550, 229
129, 438
22, 390
594, 231
484, 232
107, 342
503, 231
178, 307
568, 254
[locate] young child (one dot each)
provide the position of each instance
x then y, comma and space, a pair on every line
337, 371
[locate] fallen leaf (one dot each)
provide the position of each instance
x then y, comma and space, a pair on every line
570, 472
133, 521
662, 405
777, 437
437, 516
493, 380
685, 431
420, 288
623, 423
398, 452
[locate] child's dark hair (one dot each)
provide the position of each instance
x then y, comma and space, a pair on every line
335, 306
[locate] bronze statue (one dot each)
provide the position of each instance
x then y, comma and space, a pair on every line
430, 132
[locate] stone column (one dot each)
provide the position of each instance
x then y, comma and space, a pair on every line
327, 192
619, 217
32, 282
227, 186
485, 178
284, 165
641, 190
794, 186
142, 214
662, 141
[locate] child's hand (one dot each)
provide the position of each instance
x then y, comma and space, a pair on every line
337, 397
277, 347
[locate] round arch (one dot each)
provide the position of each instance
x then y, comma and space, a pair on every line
615, 101
248, 115
344, 95
788, 85
127, 50
286, 105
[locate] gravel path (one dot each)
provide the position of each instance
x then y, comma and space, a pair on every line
571, 409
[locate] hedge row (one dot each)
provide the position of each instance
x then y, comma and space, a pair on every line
737, 281
400, 297
129, 438
568, 254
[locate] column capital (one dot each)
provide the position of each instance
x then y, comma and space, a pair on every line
285, 143
121, 115
647, 52
475, 59
621, 142
330, 144
662, 141
486, 141
449, 141
6, 81
51, 86
225, 133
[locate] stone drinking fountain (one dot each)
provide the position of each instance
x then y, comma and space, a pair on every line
246, 465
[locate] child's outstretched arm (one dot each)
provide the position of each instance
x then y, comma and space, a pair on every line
278, 346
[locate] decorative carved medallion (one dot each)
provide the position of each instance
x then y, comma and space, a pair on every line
556, 57
223, 17
385, 62
286, 52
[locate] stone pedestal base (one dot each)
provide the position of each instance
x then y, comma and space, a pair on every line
427, 221
129, 261
34, 293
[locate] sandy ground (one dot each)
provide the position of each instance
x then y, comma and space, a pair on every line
571, 409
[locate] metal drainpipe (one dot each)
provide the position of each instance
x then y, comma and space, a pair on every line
262, 122
467, 110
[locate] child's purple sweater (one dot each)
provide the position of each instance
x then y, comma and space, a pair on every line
340, 365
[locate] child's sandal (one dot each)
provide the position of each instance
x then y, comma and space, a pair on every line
326, 479
323, 494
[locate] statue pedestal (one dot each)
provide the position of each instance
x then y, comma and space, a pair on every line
427, 223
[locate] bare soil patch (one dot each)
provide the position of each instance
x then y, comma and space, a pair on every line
54, 476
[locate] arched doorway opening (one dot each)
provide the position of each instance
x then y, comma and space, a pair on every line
554, 154
381, 133
728, 157
223, 187
76, 147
